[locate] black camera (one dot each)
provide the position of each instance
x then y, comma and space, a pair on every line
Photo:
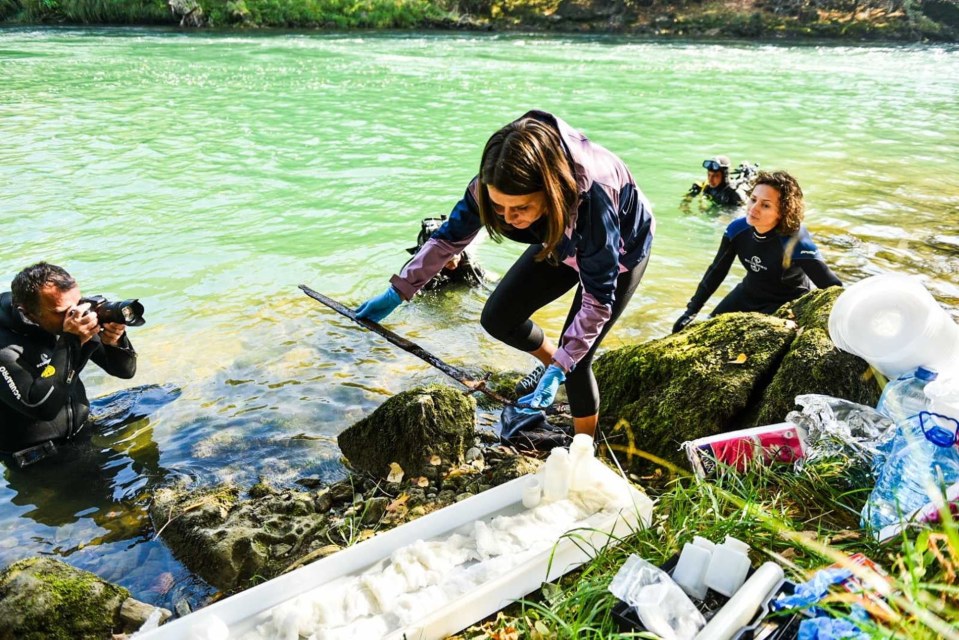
128, 312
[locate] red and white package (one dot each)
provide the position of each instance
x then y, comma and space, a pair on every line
775, 443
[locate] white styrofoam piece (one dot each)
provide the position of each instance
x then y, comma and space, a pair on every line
240, 612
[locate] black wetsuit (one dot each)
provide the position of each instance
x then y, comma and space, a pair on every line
725, 195
41, 395
771, 279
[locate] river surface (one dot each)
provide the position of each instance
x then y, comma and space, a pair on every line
209, 175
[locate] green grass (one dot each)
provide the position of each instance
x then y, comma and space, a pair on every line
803, 520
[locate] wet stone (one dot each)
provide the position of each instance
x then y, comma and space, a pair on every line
375, 510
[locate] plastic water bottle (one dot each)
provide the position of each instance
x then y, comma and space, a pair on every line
905, 397
918, 466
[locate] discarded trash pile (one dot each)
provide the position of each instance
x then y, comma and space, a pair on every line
571, 491
424, 576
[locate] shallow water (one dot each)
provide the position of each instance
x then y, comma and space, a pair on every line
210, 174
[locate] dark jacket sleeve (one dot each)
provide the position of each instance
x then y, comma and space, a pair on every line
119, 361
30, 393
820, 273
714, 275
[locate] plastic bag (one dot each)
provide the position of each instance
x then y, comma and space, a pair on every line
837, 427
662, 606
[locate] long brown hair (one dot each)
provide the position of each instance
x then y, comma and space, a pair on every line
792, 206
524, 157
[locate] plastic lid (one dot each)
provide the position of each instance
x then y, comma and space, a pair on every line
926, 374
736, 543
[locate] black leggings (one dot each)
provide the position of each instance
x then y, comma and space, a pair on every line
529, 286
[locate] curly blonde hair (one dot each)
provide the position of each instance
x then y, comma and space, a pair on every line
792, 206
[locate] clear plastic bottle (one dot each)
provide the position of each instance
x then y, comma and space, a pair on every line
918, 465
905, 397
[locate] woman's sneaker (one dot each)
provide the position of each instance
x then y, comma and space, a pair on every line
527, 384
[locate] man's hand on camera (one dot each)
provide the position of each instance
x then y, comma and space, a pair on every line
81, 323
111, 333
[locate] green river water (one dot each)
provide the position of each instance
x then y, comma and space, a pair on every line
210, 174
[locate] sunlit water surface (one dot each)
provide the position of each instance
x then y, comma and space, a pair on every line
209, 175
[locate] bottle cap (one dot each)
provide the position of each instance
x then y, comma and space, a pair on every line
926, 374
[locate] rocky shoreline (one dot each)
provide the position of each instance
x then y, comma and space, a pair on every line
421, 451
852, 20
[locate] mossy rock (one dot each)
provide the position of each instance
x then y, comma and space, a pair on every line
231, 543
409, 429
45, 599
696, 383
730, 372
814, 364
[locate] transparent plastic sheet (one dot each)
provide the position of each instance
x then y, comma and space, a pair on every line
837, 427
661, 604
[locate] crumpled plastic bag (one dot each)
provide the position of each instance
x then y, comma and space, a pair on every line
662, 606
837, 427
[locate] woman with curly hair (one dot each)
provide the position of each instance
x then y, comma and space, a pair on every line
781, 260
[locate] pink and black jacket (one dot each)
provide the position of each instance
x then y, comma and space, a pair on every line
610, 231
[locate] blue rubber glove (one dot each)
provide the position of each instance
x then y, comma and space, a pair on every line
546, 390
378, 307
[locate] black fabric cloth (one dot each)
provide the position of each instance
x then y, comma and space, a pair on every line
41, 395
529, 430
779, 269
530, 285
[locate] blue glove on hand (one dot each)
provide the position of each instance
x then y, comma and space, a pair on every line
546, 390
378, 307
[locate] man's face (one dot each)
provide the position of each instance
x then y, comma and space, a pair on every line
54, 305
714, 178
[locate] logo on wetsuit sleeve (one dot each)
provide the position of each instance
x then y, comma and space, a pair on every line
756, 264
10, 383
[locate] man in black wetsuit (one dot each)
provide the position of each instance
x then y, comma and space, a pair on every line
717, 187
781, 260
463, 268
47, 336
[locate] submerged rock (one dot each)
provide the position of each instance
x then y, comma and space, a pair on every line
730, 372
227, 541
410, 429
46, 599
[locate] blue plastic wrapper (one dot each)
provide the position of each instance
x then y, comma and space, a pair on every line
813, 590
830, 629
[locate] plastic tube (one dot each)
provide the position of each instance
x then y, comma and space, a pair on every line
742, 607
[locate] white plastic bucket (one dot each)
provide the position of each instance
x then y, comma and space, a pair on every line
895, 324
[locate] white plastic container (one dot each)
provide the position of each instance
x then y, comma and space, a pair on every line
581, 458
742, 607
532, 492
895, 324
242, 612
556, 475
690, 570
728, 566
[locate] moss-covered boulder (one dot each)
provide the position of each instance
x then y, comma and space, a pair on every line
45, 599
410, 429
229, 541
691, 384
813, 363
734, 371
